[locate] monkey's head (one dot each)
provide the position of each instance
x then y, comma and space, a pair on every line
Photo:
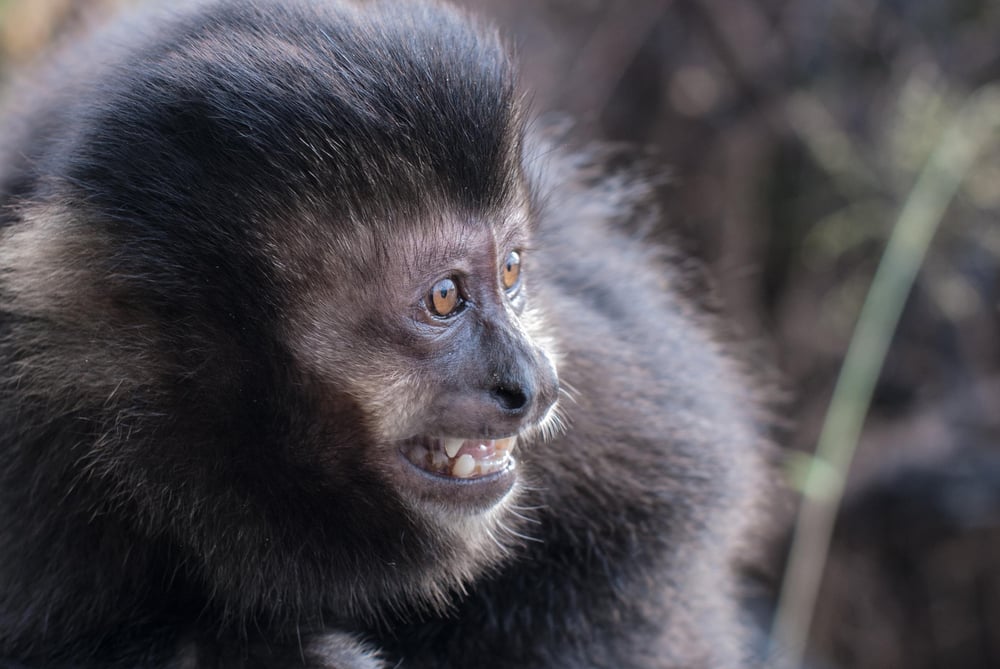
283, 261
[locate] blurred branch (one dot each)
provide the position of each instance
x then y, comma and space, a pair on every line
971, 130
609, 51
753, 52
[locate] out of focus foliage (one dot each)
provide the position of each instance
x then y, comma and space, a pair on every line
793, 130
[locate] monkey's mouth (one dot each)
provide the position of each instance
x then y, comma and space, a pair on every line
460, 458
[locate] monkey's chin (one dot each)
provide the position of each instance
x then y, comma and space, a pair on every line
462, 474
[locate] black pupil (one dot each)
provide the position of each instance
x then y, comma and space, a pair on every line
444, 291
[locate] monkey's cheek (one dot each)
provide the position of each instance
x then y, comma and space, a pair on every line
452, 494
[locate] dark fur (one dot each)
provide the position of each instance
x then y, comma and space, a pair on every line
204, 215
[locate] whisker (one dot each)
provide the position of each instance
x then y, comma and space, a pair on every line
515, 533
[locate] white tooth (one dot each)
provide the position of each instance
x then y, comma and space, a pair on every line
452, 446
464, 466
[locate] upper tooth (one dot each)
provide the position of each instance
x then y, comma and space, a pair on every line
452, 446
505, 444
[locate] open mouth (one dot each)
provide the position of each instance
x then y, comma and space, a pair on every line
460, 458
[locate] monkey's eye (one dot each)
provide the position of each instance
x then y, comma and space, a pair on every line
444, 299
511, 270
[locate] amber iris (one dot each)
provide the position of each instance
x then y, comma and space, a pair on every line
444, 297
511, 270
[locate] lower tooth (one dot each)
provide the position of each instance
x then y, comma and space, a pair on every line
438, 458
464, 466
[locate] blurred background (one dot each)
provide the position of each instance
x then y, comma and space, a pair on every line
792, 132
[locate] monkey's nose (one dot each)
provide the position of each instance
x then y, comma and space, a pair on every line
513, 398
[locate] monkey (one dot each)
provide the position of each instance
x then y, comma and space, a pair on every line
318, 350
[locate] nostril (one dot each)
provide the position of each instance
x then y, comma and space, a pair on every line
512, 398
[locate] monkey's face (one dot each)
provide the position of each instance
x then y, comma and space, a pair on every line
432, 332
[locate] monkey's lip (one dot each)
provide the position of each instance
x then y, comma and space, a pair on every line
460, 458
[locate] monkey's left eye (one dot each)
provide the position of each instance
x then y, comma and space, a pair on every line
511, 270
444, 299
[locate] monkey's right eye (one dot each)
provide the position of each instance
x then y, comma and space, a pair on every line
444, 299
